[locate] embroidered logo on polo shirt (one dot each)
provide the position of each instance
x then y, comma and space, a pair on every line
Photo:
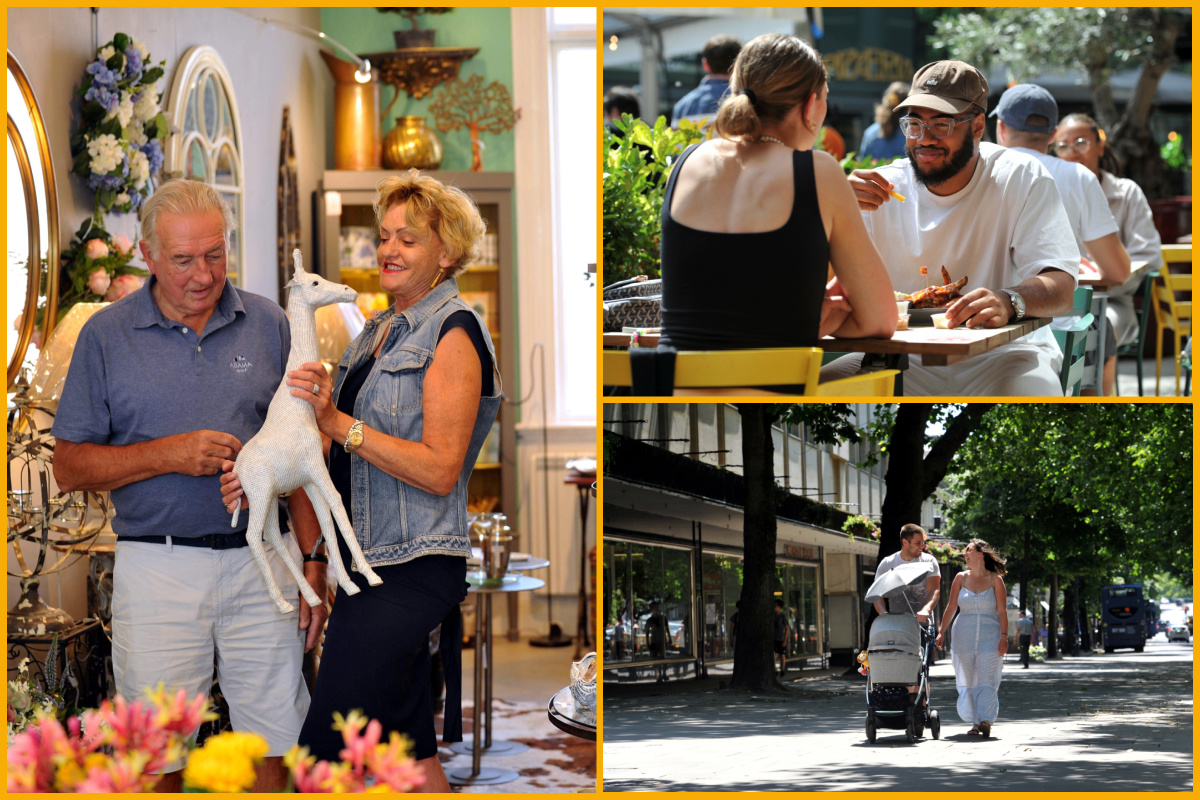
240, 364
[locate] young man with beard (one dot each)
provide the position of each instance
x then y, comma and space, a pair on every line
983, 212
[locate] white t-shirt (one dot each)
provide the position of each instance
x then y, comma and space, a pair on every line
1007, 225
1084, 200
917, 594
1135, 224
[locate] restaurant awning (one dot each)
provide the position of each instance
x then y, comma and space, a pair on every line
639, 508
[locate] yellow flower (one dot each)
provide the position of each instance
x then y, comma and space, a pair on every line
225, 763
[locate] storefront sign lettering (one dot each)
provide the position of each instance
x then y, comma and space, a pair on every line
800, 551
868, 64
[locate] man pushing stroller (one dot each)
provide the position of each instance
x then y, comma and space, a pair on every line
919, 598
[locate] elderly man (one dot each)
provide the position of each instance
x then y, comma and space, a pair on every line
164, 385
983, 212
1026, 117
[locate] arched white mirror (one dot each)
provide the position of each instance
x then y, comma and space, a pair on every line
206, 139
33, 249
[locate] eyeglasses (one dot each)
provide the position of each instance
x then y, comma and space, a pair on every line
1080, 146
940, 128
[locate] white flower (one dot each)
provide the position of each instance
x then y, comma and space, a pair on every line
122, 199
141, 48
146, 108
106, 153
18, 697
139, 169
106, 53
136, 133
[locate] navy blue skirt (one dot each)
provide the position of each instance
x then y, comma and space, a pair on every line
376, 654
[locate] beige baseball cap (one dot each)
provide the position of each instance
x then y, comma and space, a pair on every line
951, 87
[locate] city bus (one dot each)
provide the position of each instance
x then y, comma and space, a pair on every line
1123, 617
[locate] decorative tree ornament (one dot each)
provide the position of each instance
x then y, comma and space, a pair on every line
476, 107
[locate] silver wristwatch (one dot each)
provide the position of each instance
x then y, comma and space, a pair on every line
1018, 304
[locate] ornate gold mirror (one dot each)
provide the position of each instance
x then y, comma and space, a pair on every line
33, 248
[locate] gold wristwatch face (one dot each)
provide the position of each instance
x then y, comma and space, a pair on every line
354, 438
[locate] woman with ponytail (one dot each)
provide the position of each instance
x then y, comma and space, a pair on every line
753, 219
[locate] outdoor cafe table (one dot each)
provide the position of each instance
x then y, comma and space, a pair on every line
1138, 272
936, 347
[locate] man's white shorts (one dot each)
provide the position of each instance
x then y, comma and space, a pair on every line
174, 608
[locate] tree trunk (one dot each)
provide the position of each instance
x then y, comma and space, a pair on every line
1130, 137
1069, 616
1052, 622
753, 655
1025, 571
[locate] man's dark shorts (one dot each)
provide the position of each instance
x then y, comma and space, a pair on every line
780, 649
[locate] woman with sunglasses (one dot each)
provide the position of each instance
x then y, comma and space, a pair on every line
1078, 139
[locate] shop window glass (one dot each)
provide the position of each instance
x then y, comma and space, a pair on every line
648, 601
708, 442
722, 582
733, 439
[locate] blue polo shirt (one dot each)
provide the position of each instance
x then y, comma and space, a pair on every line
136, 375
702, 102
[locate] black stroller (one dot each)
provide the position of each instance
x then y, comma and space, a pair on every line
898, 655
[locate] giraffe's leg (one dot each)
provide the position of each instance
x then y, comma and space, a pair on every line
275, 539
331, 545
324, 485
260, 503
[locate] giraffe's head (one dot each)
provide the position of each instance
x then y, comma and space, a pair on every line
312, 290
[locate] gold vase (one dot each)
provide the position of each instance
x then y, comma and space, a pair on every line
356, 117
411, 145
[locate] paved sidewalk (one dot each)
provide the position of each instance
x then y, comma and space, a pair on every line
1116, 722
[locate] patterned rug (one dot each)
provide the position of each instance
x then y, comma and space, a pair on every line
554, 762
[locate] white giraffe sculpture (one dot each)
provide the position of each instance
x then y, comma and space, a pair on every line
286, 453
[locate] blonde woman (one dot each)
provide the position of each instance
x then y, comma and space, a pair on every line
416, 395
753, 219
980, 635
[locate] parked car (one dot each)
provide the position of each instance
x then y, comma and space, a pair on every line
1179, 633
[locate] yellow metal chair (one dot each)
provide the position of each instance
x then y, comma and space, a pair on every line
734, 370
1169, 312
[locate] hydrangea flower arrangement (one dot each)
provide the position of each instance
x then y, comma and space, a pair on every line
118, 148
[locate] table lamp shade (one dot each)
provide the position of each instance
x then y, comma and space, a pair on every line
51, 371
337, 325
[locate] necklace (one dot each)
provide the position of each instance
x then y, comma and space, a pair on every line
772, 139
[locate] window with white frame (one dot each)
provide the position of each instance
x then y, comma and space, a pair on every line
574, 135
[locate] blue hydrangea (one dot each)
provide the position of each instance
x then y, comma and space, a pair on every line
102, 75
154, 153
133, 63
107, 97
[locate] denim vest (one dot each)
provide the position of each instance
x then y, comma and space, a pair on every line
395, 522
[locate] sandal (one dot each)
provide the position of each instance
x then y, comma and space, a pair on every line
985, 728
974, 731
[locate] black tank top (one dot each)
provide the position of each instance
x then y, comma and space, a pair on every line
727, 291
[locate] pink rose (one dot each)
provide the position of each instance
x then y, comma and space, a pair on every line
17, 322
123, 285
122, 243
98, 281
96, 248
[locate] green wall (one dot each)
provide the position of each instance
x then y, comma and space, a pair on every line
366, 30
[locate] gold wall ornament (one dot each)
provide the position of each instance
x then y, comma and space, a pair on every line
356, 137
411, 144
416, 70
476, 107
